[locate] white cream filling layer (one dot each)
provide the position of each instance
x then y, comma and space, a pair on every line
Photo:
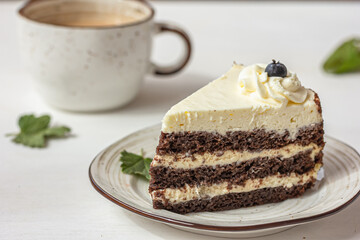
229, 157
221, 107
188, 193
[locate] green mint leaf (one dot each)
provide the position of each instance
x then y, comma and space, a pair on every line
147, 162
31, 140
57, 131
31, 124
34, 131
346, 58
135, 164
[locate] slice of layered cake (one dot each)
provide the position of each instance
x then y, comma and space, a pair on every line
251, 137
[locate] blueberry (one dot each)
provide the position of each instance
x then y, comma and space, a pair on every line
276, 69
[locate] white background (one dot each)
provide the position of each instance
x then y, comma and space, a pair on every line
46, 193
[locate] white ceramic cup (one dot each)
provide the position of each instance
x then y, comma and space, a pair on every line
91, 68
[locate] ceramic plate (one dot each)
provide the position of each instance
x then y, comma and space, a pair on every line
337, 190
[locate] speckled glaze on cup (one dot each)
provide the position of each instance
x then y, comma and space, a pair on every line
91, 68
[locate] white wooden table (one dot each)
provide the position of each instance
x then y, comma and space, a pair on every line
46, 194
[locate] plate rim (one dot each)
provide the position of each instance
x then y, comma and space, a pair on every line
172, 221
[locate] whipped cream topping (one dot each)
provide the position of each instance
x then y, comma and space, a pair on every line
254, 81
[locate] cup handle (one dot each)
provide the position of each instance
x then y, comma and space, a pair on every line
167, 70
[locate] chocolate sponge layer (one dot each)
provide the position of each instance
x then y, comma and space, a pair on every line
201, 141
236, 173
235, 200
